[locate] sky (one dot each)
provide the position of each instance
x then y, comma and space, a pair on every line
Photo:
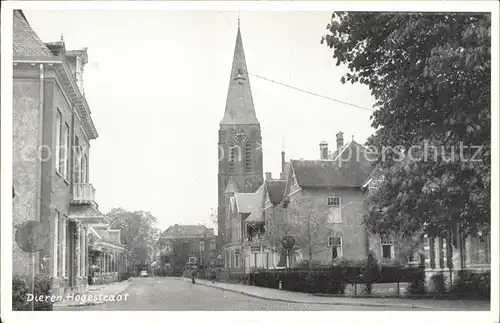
156, 83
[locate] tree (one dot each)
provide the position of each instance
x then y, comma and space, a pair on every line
277, 228
138, 233
430, 75
309, 221
371, 271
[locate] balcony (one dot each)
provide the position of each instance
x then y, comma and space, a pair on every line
83, 194
83, 207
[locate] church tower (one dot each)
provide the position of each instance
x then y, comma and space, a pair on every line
240, 141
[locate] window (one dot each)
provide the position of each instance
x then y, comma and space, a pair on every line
335, 209
58, 141
212, 245
65, 152
442, 251
237, 258
248, 156
335, 243
267, 260
387, 247
192, 259
85, 169
202, 245
432, 249
232, 156
63, 231
56, 270
333, 201
77, 161
168, 247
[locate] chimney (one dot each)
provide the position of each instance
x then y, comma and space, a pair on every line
268, 176
340, 139
282, 161
323, 150
282, 175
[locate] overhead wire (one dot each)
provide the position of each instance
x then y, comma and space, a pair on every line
311, 93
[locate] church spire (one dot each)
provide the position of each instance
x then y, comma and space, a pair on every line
239, 103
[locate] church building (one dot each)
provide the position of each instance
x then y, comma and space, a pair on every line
240, 141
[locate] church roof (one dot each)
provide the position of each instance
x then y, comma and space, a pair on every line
239, 104
25, 41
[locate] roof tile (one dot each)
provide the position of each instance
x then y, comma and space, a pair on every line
329, 174
25, 41
276, 190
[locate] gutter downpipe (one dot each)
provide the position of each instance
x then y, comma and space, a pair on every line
40, 143
38, 161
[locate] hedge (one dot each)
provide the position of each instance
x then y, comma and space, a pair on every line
331, 280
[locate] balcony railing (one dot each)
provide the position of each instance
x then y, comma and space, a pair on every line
83, 193
256, 237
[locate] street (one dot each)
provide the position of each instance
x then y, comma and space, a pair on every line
172, 294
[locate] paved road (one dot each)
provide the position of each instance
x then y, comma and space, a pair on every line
171, 294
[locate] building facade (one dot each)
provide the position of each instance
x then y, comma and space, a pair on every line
182, 245
247, 247
52, 131
439, 255
107, 256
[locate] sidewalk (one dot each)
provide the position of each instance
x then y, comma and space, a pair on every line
94, 295
395, 303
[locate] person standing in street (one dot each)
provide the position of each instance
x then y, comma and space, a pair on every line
193, 274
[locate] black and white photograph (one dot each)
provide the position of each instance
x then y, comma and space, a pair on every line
337, 157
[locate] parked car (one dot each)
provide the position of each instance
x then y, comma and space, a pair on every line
143, 273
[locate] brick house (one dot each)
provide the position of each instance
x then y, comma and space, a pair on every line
52, 130
323, 204
440, 255
183, 244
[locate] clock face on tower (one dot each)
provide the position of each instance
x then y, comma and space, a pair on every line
238, 135
248, 183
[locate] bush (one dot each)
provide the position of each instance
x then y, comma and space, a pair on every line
417, 283
304, 264
473, 285
438, 284
21, 289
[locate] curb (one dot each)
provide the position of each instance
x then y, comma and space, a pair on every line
88, 303
312, 302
